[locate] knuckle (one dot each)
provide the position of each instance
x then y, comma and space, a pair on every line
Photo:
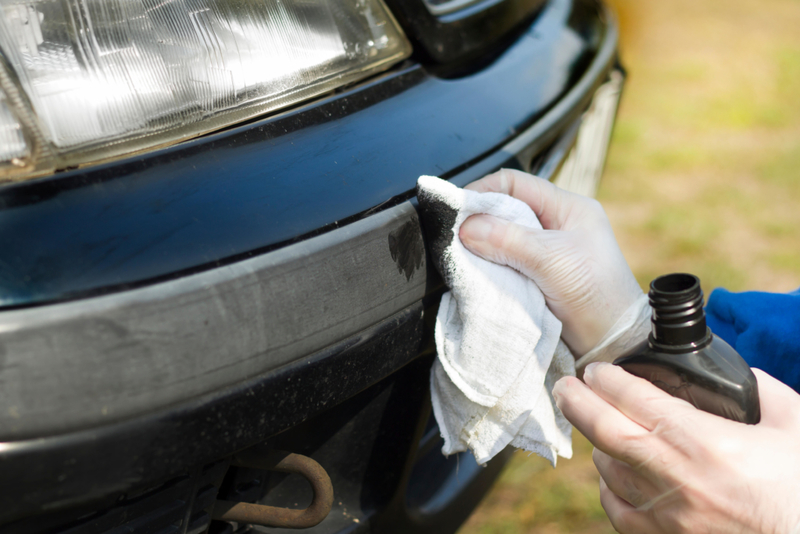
506, 182
635, 447
558, 253
631, 448
513, 238
489, 183
617, 517
680, 519
593, 205
623, 481
501, 181
633, 494
590, 208
673, 429
515, 241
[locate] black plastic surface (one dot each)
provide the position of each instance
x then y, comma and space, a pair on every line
714, 379
385, 463
182, 504
106, 462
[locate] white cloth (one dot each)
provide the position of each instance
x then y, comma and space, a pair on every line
498, 344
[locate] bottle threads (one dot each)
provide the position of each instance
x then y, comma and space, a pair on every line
679, 320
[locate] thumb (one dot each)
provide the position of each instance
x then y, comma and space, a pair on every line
503, 242
780, 404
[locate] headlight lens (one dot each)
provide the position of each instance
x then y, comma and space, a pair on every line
13, 147
108, 77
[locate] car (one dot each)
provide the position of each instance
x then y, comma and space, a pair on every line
216, 300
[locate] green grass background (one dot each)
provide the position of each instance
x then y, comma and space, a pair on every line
703, 175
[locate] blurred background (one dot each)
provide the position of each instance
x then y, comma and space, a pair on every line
703, 176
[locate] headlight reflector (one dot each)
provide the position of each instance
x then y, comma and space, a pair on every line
107, 77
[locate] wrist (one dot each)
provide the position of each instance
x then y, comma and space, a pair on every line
625, 335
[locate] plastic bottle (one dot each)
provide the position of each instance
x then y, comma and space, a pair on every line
684, 358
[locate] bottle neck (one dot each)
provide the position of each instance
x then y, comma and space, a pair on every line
679, 320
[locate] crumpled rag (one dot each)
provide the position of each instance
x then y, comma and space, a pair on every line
499, 347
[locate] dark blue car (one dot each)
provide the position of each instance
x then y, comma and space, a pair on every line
216, 305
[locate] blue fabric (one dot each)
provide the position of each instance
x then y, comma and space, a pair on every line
763, 327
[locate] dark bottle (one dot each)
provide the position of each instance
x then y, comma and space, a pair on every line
682, 356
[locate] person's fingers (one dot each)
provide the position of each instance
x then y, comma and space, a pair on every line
780, 404
555, 261
551, 204
502, 181
625, 519
495, 239
637, 398
623, 480
506, 243
602, 424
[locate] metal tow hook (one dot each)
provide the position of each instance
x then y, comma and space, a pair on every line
271, 516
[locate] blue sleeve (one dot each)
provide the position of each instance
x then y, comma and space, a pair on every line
763, 327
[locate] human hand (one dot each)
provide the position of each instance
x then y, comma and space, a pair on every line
575, 259
668, 467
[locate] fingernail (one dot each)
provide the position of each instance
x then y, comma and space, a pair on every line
557, 395
477, 228
588, 373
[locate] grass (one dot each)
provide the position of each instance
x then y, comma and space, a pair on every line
703, 175
531, 496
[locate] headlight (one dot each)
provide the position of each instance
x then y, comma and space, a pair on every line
14, 149
109, 77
